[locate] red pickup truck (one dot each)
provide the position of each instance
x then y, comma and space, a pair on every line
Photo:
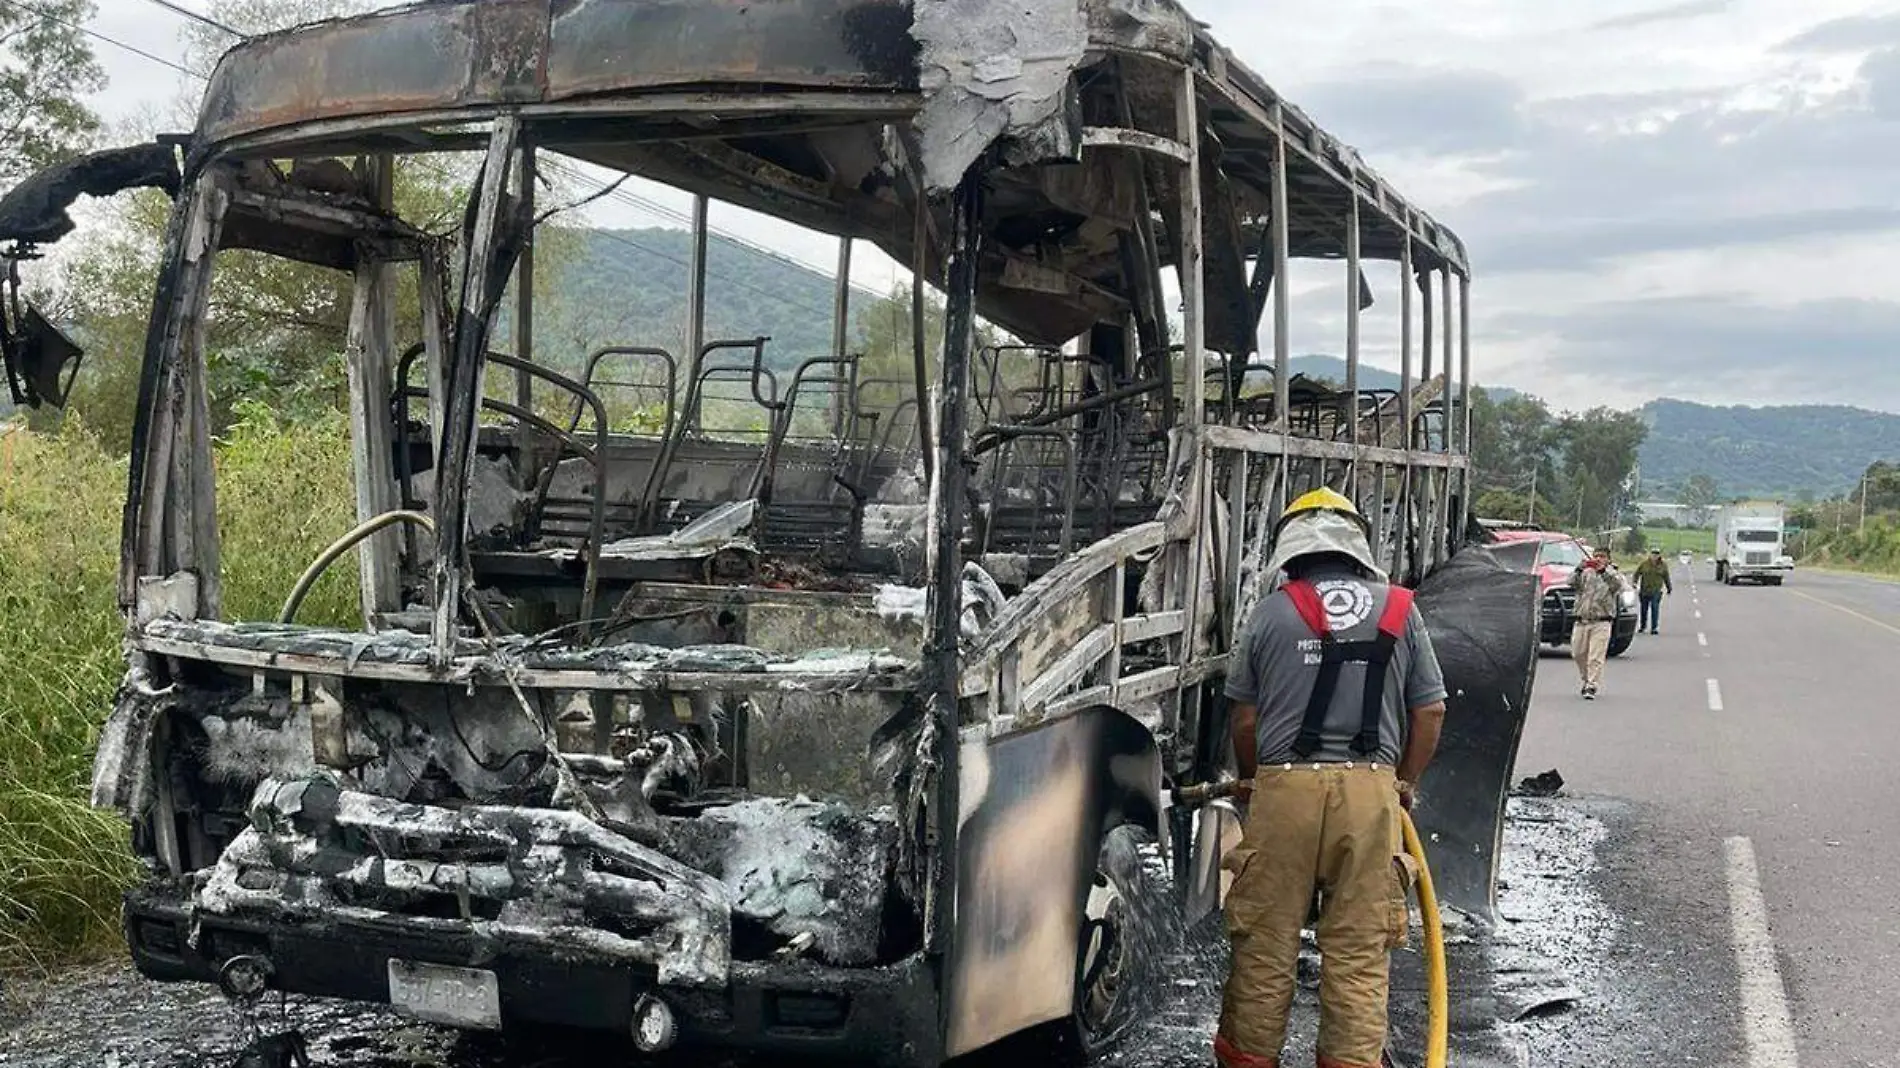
1558, 556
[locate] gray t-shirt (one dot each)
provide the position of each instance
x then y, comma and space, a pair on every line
1277, 664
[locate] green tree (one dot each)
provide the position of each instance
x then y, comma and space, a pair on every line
1517, 507
47, 70
1599, 453
275, 331
1511, 444
1699, 493
887, 360
276, 328
884, 345
1880, 484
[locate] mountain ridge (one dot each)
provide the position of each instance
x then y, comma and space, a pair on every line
628, 286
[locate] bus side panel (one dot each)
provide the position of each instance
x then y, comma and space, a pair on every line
1035, 806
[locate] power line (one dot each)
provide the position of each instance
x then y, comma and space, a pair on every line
624, 196
790, 302
627, 197
635, 200
664, 212
95, 34
202, 20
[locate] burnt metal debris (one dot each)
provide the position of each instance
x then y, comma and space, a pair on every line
41, 361
837, 731
34, 212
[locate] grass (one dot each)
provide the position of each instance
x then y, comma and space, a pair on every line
1874, 550
1672, 541
284, 493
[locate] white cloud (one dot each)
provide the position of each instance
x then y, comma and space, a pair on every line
1648, 187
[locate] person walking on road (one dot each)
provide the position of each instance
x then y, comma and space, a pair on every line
1599, 586
1652, 581
1337, 701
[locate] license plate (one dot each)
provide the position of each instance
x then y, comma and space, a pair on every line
459, 997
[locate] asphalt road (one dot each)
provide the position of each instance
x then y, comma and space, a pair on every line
1746, 756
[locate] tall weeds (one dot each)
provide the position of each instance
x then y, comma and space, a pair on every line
284, 492
1874, 548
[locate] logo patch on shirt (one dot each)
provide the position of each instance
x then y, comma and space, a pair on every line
1347, 603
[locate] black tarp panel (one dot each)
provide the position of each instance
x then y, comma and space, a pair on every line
1481, 610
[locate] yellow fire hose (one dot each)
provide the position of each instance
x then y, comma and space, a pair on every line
1437, 986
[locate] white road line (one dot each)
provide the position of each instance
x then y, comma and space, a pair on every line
1843, 608
1698, 613
1702, 639
1766, 1024
1715, 696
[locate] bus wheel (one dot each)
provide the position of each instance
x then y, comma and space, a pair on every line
1131, 923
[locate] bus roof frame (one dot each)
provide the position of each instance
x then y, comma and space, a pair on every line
606, 80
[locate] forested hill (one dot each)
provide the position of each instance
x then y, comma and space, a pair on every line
628, 287
1780, 451
1333, 369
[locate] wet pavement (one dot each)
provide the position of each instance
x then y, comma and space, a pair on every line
1518, 991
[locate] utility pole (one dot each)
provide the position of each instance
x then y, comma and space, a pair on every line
1863, 505
1530, 510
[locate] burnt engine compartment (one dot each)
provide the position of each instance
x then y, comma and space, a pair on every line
685, 829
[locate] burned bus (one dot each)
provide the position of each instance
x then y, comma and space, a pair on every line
855, 740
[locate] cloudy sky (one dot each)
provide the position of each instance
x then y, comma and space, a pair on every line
1688, 198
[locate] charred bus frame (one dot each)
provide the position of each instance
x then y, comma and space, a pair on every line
1031, 663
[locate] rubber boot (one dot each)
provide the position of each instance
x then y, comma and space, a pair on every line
1229, 1057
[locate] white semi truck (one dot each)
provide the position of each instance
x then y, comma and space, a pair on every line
1748, 543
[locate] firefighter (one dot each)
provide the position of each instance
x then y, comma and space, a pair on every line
1337, 700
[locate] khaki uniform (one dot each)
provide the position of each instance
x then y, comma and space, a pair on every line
1325, 822
1346, 817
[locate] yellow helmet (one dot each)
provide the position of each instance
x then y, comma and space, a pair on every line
1323, 500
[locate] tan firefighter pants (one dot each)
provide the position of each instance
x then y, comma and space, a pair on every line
1590, 647
1335, 828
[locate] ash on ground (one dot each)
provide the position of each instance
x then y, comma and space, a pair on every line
1517, 989
1513, 986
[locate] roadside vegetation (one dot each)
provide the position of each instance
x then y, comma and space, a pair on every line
63, 863
1857, 531
1874, 548
1562, 470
